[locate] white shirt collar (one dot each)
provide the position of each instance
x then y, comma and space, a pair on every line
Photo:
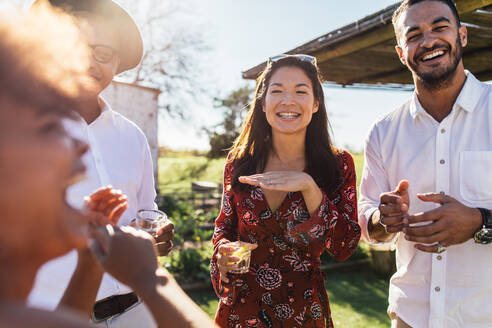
471, 93
106, 110
468, 97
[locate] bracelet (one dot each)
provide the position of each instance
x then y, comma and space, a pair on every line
371, 223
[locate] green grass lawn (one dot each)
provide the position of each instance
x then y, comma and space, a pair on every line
358, 299
177, 173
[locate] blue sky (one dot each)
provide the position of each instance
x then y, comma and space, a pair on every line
243, 33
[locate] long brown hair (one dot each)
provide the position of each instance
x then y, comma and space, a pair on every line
252, 147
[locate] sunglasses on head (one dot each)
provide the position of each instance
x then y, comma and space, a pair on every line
302, 57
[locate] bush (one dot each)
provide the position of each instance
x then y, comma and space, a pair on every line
190, 265
188, 222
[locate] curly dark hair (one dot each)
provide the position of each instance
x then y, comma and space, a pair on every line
43, 62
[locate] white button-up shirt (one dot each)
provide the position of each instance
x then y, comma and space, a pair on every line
452, 289
119, 156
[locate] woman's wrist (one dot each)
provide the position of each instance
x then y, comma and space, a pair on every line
87, 262
147, 288
311, 188
312, 196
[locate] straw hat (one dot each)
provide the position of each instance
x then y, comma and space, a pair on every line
131, 44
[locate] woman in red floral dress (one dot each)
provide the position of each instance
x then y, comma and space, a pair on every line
289, 191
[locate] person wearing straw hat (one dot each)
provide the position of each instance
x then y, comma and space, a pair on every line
119, 156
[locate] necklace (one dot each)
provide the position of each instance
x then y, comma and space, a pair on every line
289, 163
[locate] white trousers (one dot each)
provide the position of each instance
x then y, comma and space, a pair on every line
136, 316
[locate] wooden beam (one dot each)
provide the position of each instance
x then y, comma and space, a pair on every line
465, 6
485, 75
357, 43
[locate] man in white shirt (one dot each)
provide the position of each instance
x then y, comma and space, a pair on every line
119, 156
427, 178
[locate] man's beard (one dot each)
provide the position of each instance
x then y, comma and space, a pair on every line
440, 77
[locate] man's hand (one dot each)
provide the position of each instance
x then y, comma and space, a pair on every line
450, 224
388, 219
164, 239
393, 207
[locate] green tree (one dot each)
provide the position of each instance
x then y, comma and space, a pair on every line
234, 107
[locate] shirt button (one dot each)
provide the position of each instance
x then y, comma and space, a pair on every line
439, 257
437, 289
443, 130
442, 161
442, 193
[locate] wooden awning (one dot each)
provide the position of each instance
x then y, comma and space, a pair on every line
363, 53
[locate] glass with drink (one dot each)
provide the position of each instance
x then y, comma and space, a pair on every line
151, 221
242, 250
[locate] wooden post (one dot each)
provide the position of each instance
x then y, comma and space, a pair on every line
383, 259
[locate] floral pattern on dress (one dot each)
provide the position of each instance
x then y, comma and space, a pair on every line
268, 278
284, 287
296, 263
283, 311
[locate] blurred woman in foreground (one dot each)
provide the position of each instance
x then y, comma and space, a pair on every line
43, 76
291, 193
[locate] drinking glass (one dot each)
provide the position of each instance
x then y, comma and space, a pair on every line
242, 250
151, 221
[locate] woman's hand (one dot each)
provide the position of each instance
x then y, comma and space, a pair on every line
106, 205
103, 209
281, 180
289, 181
226, 262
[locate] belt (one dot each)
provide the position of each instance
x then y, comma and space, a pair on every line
112, 306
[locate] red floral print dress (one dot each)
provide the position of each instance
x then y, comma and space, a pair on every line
284, 286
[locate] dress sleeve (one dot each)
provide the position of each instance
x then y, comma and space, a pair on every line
225, 231
340, 212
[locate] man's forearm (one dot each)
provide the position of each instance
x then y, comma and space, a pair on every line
170, 306
376, 230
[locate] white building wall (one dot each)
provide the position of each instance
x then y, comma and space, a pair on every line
138, 104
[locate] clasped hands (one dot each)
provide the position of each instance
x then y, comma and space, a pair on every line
449, 224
